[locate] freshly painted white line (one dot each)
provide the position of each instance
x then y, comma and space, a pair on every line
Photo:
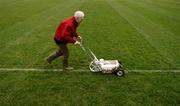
34, 69
86, 70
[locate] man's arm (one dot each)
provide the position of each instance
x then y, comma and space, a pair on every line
76, 34
66, 34
69, 39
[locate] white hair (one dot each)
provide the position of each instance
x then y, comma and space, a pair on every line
79, 15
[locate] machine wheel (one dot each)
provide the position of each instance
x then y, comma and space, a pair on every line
93, 67
120, 73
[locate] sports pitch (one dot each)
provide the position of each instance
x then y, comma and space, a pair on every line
143, 34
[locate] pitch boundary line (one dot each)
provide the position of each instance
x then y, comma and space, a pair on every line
86, 70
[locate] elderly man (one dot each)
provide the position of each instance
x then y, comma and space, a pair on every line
64, 34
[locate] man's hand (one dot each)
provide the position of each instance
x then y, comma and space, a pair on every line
77, 43
79, 37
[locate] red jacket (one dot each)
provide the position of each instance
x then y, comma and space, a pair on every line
66, 31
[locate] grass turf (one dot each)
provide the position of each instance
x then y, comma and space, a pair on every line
83, 88
142, 34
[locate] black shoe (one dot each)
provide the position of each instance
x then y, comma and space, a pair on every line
48, 62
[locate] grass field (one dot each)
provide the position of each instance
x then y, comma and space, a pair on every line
143, 34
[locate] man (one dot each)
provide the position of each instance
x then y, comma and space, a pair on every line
64, 34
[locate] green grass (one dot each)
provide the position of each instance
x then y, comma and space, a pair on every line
83, 88
143, 34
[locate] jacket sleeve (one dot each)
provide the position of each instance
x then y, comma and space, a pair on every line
69, 39
66, 34
76, 34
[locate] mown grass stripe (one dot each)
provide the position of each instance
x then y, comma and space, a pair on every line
31, 23
33, 16
34, 32
165, 11
144, 29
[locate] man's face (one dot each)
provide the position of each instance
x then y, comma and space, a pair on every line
79, 19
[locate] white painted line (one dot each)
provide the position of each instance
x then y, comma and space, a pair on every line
86, 70
34, 69
154, 71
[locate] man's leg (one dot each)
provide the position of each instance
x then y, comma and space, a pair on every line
54, 55
65, 52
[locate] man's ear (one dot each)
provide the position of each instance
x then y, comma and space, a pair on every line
78, 19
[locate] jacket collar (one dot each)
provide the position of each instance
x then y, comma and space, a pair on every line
74, 21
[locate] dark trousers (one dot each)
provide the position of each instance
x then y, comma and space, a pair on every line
62, 51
